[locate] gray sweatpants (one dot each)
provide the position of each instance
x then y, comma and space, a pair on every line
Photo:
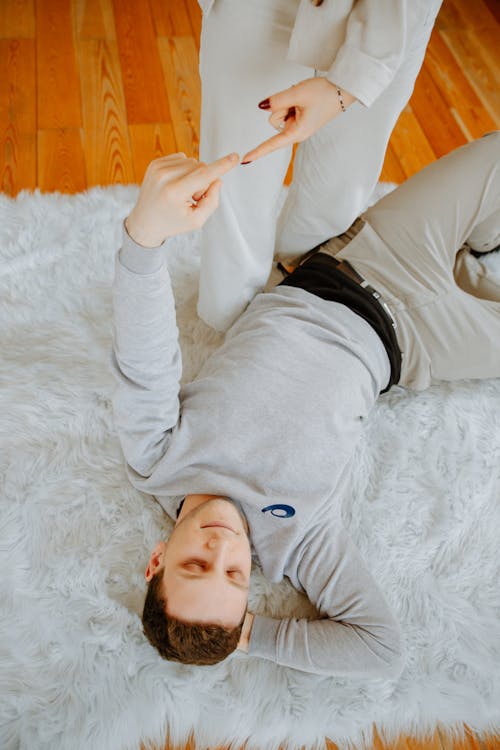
412, 249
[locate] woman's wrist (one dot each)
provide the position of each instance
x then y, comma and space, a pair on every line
344, 98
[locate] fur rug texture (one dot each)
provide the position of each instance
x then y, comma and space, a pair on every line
76, 672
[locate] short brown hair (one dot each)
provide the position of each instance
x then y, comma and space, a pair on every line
187, 642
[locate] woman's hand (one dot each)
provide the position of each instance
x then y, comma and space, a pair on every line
177, 195
298, 112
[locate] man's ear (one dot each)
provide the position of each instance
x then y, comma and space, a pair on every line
155, 561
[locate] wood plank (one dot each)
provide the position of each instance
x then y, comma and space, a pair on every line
433, 115
467, 49
17, 115
489, 742
392, 170
480, 21
58, 90
17, 161
93, 19
150, 142
61, 164
462, 100
494, 8
17, 19
195, 16
477, 15
141, 68
377, 742
108, 156
410, 144
289, 172
423, 742
170, 18
447, 17
450, 741
330, 745
17, 83
179, 59
473, 741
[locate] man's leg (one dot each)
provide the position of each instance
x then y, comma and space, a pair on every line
473, 277
408, 251
441, 207
486, 236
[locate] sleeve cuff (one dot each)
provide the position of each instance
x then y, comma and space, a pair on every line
263, 637
361, 75
138, 259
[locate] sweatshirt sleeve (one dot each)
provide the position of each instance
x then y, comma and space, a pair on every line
146, 358
356, 634
373, 48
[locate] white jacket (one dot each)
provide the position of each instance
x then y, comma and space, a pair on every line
359, 44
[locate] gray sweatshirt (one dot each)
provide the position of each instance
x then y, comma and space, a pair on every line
271, 421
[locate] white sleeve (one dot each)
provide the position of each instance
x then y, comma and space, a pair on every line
373, 49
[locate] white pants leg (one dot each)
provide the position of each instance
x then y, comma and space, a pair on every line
242, 61
336, 169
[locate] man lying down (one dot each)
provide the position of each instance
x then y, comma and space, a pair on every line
250, 457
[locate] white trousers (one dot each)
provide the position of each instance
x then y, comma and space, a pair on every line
242, 61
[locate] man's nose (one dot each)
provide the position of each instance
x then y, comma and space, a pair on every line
217, 541
218, 547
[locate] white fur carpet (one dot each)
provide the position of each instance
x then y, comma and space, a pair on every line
75, 670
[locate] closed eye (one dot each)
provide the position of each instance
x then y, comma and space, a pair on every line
195, 564
235, 573
195, 568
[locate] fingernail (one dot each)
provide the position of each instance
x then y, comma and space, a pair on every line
290, 113
247, 162
265, 104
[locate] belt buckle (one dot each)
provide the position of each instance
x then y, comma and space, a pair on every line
381, 301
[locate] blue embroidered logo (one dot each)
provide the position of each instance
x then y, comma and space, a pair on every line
280, 511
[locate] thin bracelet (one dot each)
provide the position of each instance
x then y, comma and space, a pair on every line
339, 94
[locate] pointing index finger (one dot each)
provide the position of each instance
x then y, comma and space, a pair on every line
272, 144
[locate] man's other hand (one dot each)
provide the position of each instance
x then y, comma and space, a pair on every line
177, 195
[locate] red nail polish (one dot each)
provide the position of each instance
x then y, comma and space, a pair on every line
247, 162
265, 104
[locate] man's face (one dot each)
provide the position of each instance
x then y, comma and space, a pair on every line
207, 562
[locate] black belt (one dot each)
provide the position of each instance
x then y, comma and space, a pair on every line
336, 280
345, 267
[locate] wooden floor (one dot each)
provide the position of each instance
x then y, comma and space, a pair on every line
438, 741
92, 90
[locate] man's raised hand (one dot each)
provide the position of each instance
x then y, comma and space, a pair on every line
177, 195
